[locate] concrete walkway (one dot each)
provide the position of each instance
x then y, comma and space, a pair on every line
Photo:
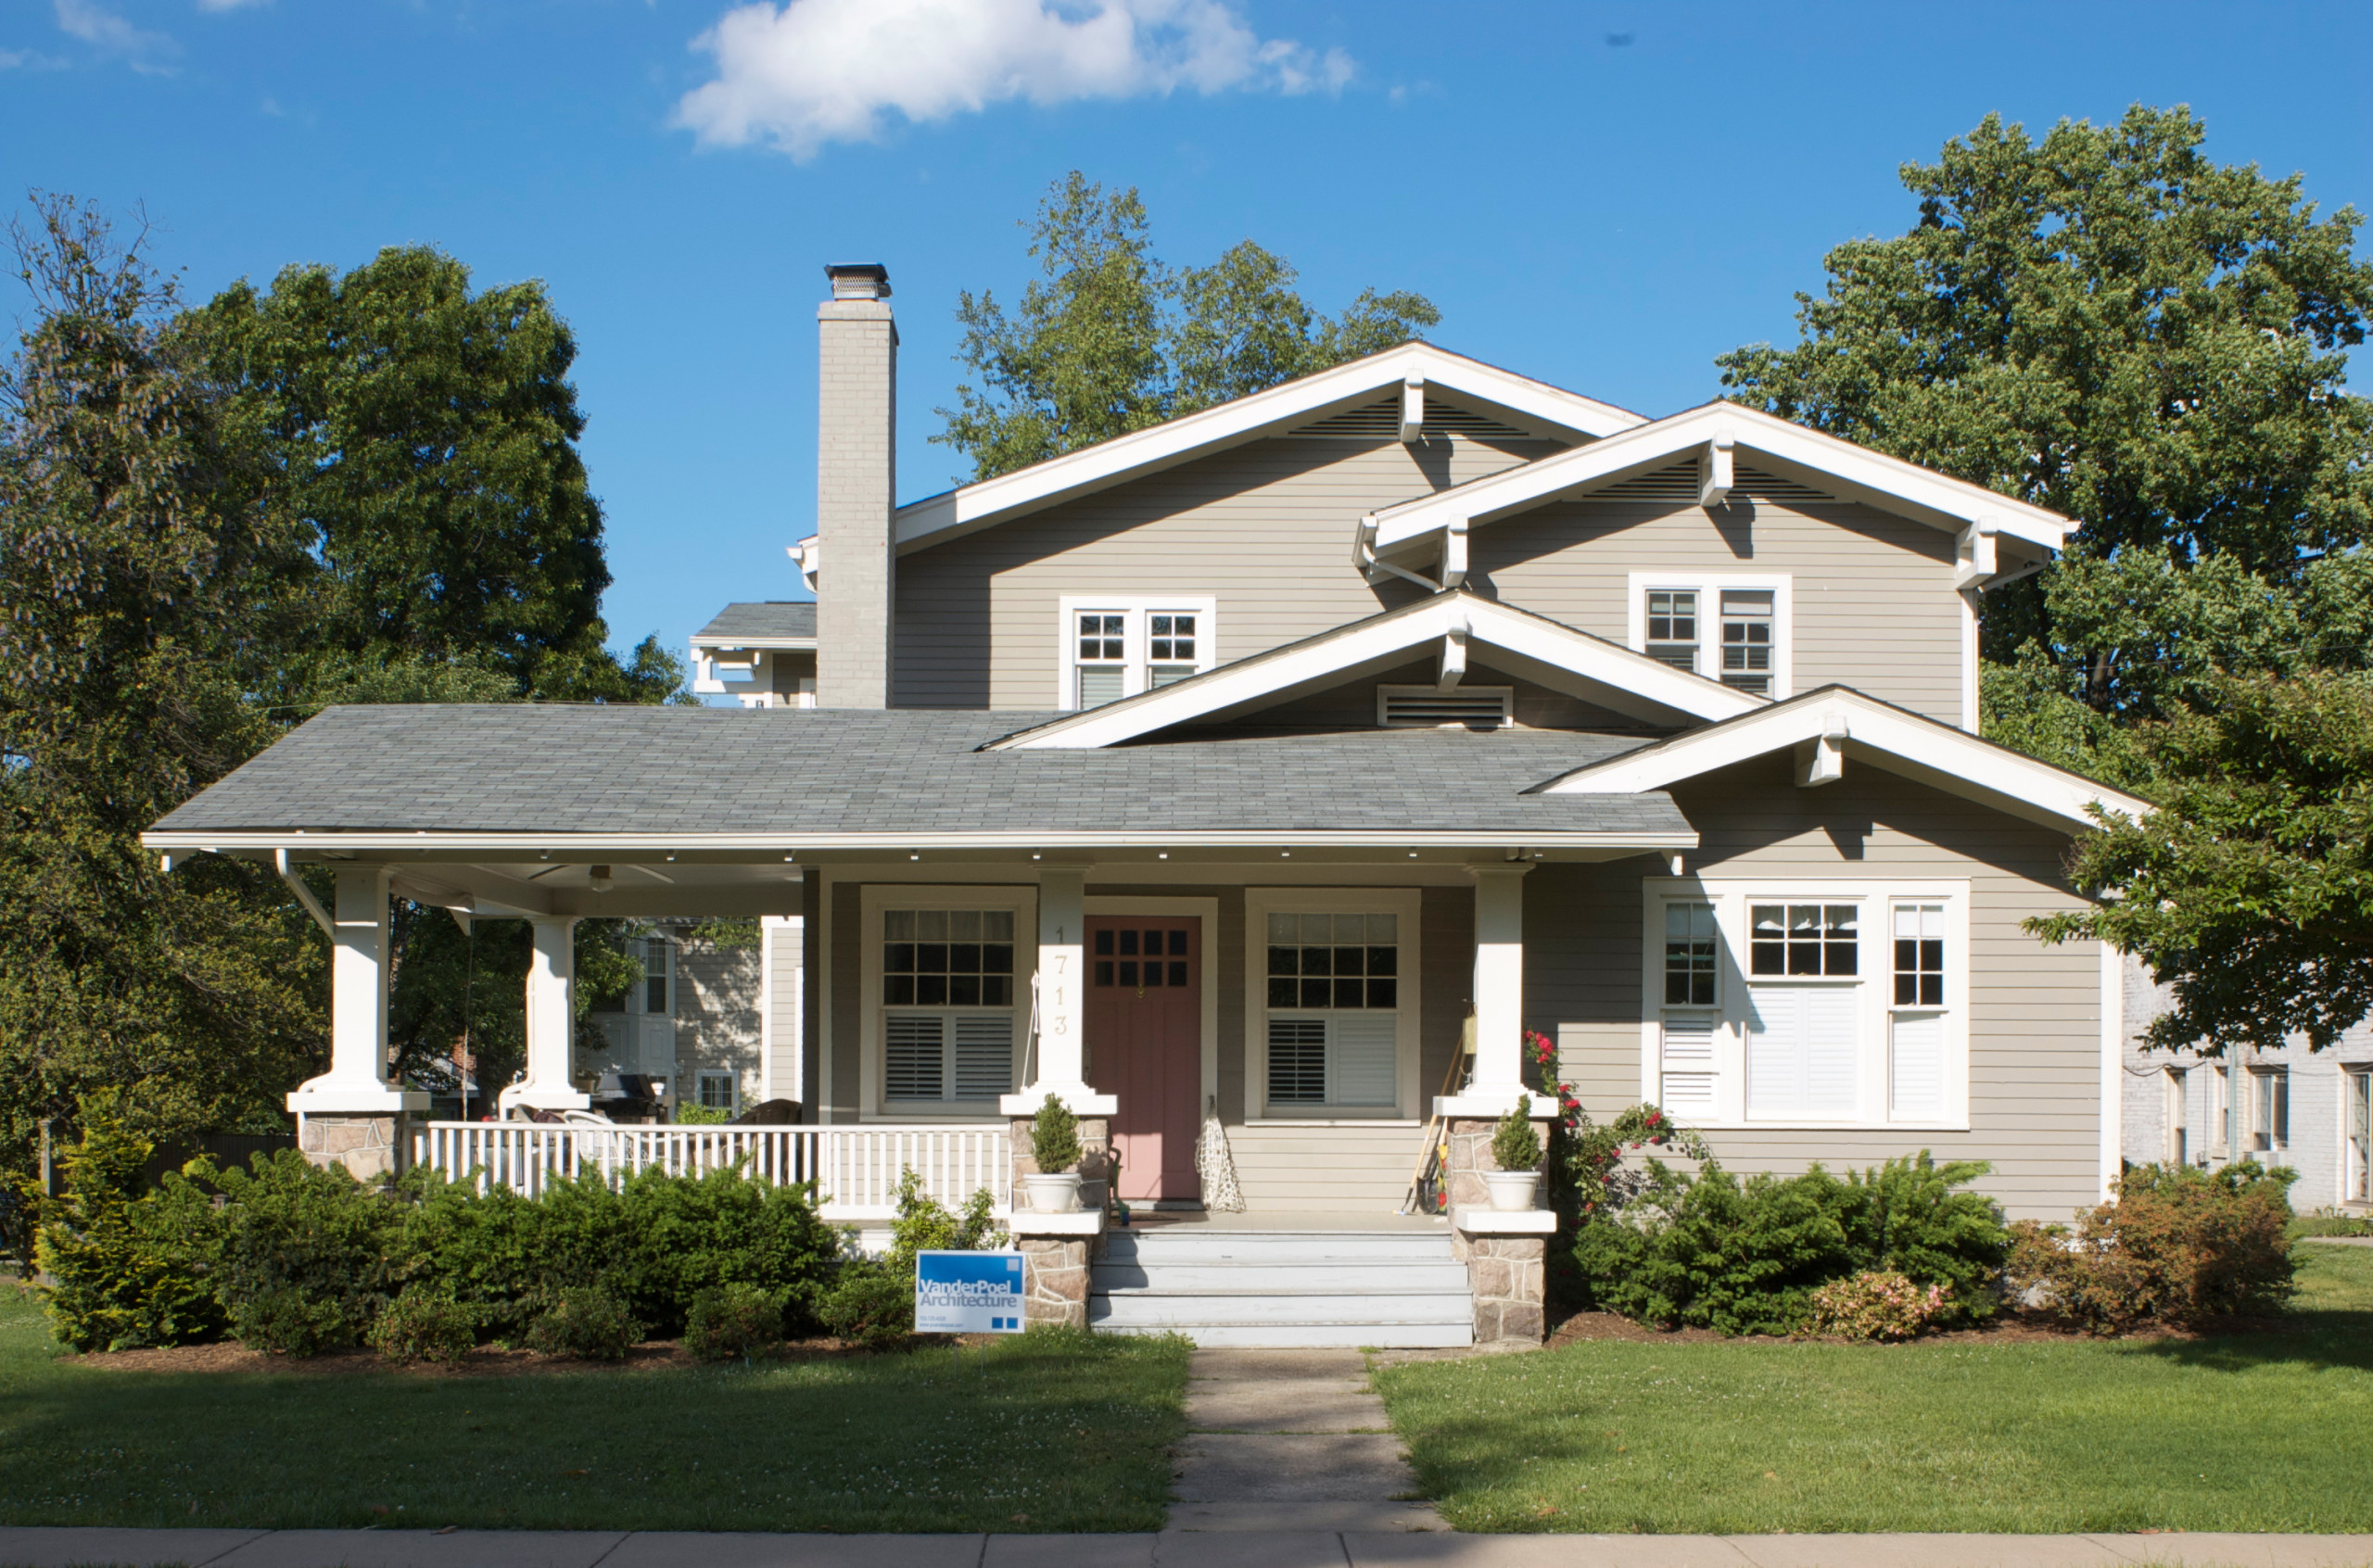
1171, 1548
1290, 1440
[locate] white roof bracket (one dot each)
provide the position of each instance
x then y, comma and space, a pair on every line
1451, 664
289, 875
1363, 556
1412, 409
1822, 760
1974, 559
1714, 471
1455, 553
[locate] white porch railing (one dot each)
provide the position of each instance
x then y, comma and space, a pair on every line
856, 1167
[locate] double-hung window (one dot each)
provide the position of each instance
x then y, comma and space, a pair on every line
948, 981
2269, 1112
1123, 646
1336, 1002
2358, 1185
1722, 625
2220, 1110
2178, 1117
1812, 1004
716, 1091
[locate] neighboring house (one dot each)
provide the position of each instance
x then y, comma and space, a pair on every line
2311, 1110
764, 654
700, 1020
1233, 762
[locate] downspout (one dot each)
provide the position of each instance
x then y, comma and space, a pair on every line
1364, 557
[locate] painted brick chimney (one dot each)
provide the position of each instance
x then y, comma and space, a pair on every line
857, 456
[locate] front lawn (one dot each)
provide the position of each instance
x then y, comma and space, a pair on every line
1038, 1433
2242, 1431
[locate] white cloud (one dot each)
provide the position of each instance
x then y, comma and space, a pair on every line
111, 34
813, 71
229, 4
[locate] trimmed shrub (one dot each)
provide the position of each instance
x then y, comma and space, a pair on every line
2177, 1245
729, 1321
872, 1304
1877, 1305
1515, 1144
1053, 1137
310, 1255
586, 1322
422, 1325
128, 1267
1745, 1257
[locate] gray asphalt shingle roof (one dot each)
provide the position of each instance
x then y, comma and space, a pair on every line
544, 769
774, 618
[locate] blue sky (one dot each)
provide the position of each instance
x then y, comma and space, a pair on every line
1603, 195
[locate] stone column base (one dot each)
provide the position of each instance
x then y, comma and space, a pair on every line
1510, 1278
1055, 1280
370, 1146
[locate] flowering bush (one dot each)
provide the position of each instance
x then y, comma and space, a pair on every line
1877, 1305
1585, 1159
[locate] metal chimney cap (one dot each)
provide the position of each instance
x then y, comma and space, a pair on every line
859, 280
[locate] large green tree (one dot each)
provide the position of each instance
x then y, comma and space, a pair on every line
424, 437
145, 592
1107, 339
2104, 321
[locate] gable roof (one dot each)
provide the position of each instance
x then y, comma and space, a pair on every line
1519, 402
1532, 647
583, 776
771, 623
1833, 725
1790, 451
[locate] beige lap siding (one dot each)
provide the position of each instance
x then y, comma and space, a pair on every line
1266, 529
2035, 1030
1873, 601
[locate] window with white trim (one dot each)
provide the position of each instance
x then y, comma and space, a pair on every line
717, 1092
1783, 1006
2178, 1117
2358, 1185
1334, 1001
2269, 1112
2220, 1110
1126, 646
1726, 627
944, 988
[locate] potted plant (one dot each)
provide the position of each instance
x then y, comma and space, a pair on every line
1516, 1148
1054, 1144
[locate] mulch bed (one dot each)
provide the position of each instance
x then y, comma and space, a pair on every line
2008, 1328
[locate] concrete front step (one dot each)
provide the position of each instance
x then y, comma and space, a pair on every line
1308, 1336
1197, 1244
1274, 1279
1167, 1309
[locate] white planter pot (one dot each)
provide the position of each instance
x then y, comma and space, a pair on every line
1052, 1195
1511, 1190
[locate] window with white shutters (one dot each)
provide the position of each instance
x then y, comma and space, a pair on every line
1803, 1053
1919, 1043
1688, 1064
1332, 993
947, 1005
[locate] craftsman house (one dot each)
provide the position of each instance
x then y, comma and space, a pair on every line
1227, 767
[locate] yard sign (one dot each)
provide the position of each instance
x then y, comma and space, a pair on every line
968, 1293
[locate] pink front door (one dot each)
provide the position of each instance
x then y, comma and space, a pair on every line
1145, 1044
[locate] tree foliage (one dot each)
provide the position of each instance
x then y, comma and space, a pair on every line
2105, 322
1107, 339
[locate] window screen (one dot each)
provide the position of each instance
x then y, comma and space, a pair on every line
1803, 939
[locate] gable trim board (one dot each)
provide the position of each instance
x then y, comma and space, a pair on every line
1530, 647
1720, 433
1550, 412
1834, 724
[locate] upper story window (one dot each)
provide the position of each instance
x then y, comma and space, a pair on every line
1721, 625
1126, 645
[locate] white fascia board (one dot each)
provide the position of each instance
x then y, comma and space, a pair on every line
1873, 732
1790, 451
729, 644
344, 846
1420, 626
952, 514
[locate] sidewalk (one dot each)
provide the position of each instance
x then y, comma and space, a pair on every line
1171, 1548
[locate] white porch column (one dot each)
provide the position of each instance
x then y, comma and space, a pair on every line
1061, 1047
551, 1021
357, 1082
1498, 996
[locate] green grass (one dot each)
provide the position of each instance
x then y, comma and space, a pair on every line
1068, 1430
2245, 1432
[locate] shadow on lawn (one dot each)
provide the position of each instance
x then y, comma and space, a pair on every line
2321, 1339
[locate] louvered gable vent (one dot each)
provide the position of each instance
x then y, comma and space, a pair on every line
1381, 422
1677, 485
1424, 707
